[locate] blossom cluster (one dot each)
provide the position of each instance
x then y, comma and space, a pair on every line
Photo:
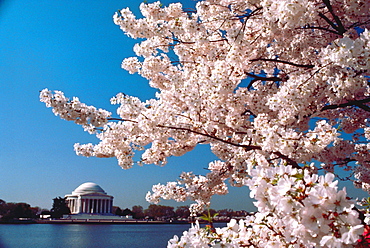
296, 209
197, 188
73, 110
270, 86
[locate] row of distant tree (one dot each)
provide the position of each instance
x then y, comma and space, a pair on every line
153, 212
157, 212
160, 212
10, 211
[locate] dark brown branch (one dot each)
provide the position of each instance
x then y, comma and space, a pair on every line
191, 42
330, 23
247, 16
119, 119
347, 178
275, 79
178, 62
358, 103
283, 62
363, 106
246, 147
358, 24
288, 160
339, 25
319, 28
259, 78
250, 112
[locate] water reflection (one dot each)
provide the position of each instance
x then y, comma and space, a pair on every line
74, 235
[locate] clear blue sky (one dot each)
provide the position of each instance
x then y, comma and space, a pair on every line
73, 46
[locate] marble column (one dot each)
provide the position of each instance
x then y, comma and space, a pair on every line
79, 205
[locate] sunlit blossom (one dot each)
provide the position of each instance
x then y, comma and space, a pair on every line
271, 86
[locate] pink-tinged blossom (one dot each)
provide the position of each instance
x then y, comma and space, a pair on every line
270, 86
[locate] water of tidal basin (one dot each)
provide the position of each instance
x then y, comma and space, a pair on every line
89, 236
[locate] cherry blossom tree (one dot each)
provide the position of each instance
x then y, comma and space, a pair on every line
278, 89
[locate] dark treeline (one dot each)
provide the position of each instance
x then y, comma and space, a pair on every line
11, 210
15, 211
160, 212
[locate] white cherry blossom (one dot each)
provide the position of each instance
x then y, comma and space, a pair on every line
278, 89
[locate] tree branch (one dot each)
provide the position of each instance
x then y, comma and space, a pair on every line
259, 78
288, 160
338, 25
330, 23
246, 147
283, 62
358, 103
319, 28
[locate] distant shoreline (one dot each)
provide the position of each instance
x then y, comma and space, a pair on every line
87, 221
97, 222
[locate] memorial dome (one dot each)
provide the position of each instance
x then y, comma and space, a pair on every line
88, 188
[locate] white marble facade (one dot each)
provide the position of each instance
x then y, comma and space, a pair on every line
89, 198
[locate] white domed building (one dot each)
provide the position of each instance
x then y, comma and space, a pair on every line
90, 201
89, 198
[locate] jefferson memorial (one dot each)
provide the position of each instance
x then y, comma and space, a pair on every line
90, 201
89, 198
